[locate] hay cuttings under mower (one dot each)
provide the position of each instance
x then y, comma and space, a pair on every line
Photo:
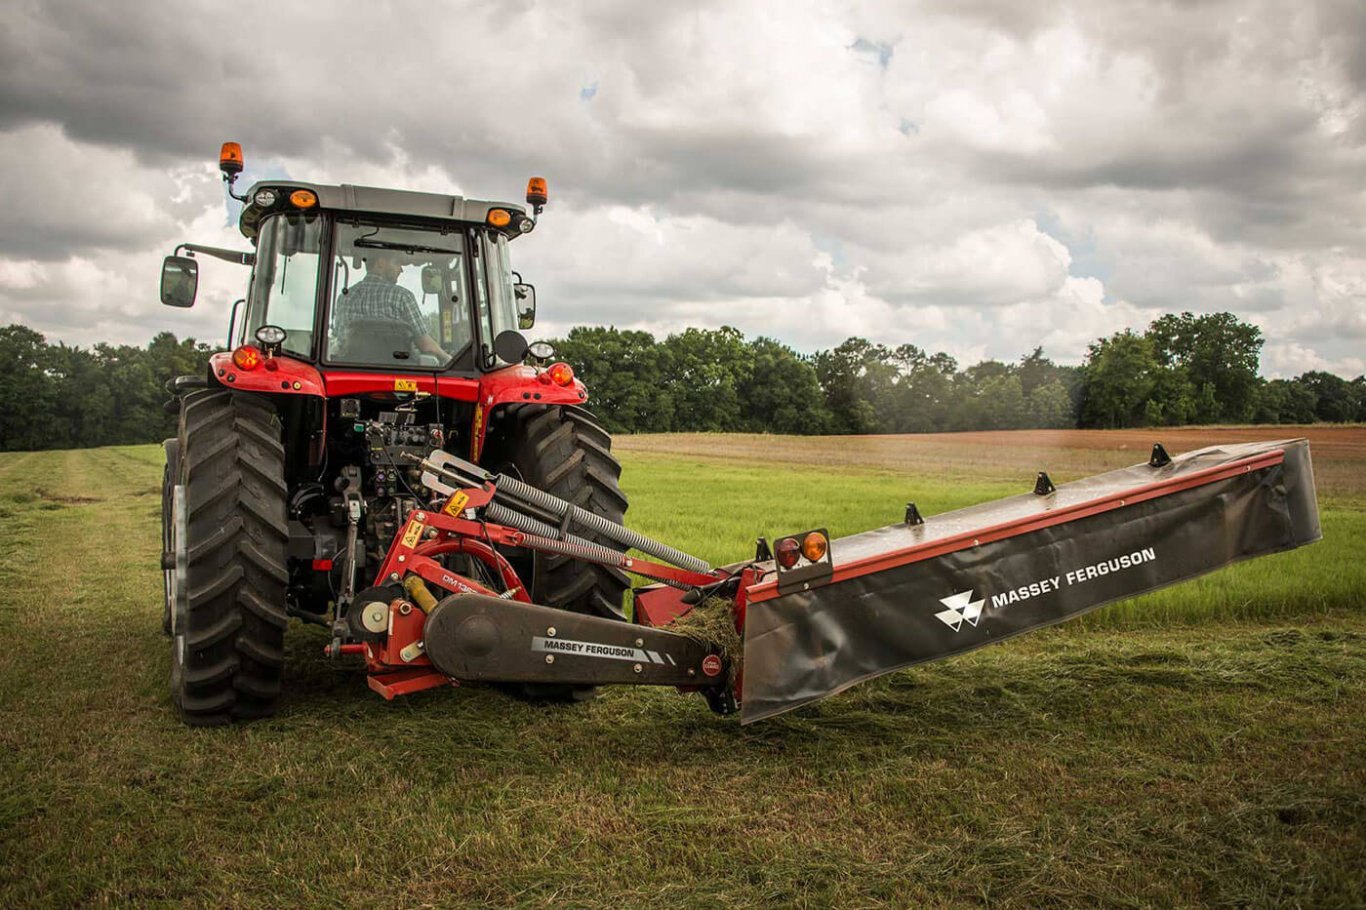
811, 616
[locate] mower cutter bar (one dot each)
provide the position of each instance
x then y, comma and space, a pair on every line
917, 592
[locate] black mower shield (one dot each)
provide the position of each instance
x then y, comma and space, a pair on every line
911, 593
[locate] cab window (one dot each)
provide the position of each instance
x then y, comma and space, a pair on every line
284, 289
401, 299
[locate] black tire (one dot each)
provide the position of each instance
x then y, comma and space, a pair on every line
227, 660
567, 453
168, 480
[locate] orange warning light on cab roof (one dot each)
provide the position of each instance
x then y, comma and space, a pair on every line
536, 192
230, 158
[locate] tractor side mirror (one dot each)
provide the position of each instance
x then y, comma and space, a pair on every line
510, 346
526, 304
179, 281
431, 279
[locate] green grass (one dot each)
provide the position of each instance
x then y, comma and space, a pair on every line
1199, 747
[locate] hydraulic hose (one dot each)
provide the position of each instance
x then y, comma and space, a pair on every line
543, 537
519, 495
582, 517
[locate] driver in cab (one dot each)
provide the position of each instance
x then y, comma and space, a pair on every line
378, 296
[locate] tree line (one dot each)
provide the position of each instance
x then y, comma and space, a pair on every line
57, 397
1182, 369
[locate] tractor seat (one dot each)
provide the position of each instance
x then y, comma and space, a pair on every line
376, 341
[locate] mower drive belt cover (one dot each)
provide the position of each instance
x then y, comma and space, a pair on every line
477, 637
906, 594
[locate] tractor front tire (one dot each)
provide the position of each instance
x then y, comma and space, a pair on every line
231, 535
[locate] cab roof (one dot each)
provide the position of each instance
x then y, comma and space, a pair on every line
371, 200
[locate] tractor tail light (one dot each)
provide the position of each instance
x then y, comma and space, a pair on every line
499, 218
303, 199
561, 373
787, 552
246, 357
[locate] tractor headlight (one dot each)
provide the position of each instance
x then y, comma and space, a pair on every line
541, 350
266, 198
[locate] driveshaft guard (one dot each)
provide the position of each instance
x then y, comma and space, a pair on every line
477, 637
907, 594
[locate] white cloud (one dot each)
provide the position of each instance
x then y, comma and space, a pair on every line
974, 177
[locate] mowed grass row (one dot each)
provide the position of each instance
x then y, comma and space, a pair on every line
1210, 763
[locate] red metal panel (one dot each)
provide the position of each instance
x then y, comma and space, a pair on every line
341, 383
659, 605
769, 589
405, 682
517, 384
280, 374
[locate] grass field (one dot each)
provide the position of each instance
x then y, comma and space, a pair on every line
1198, 747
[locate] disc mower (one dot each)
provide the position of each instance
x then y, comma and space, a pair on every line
380, 452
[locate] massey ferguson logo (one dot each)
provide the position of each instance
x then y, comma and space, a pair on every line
961, 608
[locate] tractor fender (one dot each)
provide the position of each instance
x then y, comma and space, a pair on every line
517, 385
280, 375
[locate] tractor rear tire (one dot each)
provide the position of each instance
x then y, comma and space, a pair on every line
227, 660
566, 452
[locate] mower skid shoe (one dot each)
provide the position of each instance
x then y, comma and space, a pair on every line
911, 593
476, 637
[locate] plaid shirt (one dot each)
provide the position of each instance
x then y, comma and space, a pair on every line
374, 298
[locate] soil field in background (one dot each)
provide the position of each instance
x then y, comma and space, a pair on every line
1339, 452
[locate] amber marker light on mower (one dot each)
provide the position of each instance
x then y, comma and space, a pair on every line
814, 546
247, 357
803, 560
303, 199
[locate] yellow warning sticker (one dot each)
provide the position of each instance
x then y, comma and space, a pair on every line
413, 534
405, 385
456, 504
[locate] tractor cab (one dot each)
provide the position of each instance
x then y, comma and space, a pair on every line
374, 279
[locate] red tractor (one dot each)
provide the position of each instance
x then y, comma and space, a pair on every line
378, 324
381, 428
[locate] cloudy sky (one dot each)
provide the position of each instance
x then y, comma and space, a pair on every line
975, 176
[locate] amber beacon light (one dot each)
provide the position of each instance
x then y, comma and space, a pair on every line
230, 158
